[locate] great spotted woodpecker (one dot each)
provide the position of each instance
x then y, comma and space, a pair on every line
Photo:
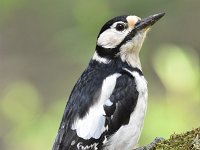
107, 105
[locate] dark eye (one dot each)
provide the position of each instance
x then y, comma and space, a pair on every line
120, 27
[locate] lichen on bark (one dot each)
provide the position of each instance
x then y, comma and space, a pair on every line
189, 140
185, 141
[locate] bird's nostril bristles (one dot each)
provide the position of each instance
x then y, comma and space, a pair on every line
132, 20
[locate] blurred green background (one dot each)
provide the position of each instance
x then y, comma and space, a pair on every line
46, 44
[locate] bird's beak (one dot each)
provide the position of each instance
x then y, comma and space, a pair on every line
143, 24
148, 22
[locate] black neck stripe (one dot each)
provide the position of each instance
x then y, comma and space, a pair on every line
109, 53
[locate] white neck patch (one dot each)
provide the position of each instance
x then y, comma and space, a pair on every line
100, 59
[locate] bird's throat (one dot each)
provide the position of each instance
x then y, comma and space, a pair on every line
132, 59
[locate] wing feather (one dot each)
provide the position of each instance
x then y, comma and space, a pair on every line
114, 112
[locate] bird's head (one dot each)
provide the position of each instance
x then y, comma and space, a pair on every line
123, 36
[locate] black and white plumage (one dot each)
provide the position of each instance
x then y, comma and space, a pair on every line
107, 106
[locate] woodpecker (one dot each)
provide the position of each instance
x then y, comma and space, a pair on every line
107, 106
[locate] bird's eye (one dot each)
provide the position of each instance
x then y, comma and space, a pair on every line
120, 27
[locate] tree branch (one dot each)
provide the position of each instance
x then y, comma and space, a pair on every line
186, 141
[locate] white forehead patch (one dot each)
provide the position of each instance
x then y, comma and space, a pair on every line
132, 20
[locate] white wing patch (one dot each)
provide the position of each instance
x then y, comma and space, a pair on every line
92, 125
100, 59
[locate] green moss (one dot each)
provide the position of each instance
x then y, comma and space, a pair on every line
186, 141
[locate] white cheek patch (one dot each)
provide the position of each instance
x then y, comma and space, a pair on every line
111, 38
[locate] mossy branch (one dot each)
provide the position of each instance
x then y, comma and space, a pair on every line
185, 141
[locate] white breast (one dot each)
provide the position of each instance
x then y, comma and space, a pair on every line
126, 138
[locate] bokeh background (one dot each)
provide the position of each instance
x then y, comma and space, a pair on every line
46, 44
